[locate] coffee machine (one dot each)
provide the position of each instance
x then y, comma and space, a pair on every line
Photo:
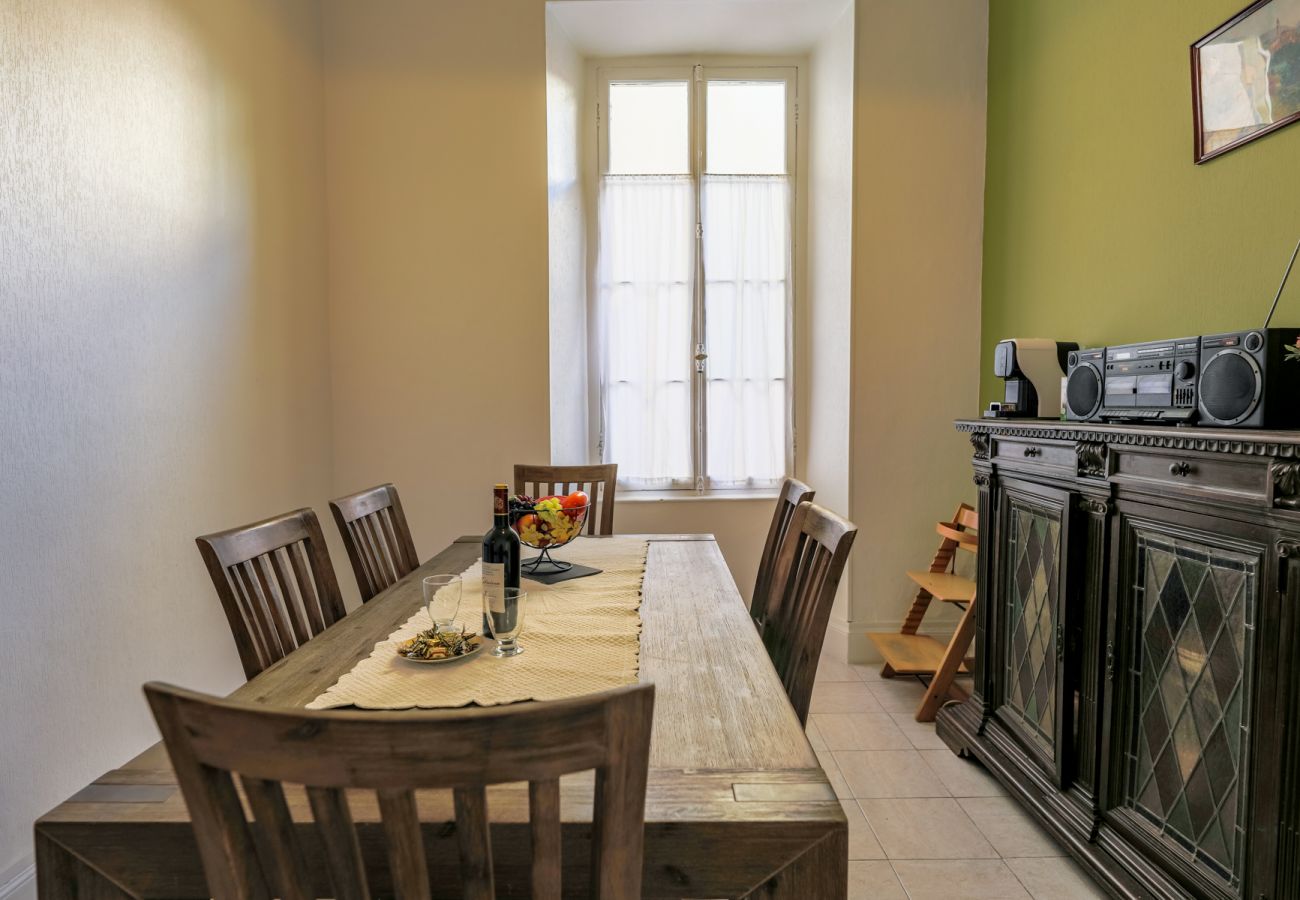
1031, 370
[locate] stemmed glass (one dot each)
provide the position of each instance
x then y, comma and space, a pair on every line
507, 621
442, 599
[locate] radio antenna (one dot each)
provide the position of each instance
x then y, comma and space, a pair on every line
1285, 276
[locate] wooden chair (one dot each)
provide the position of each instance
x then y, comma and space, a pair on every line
793, 492
276, 584
377, 538
599, 482
802, 590
211, 740
907, 652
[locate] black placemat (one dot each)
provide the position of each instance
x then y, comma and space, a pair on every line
575, 571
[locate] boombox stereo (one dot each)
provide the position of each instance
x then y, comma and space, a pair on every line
1243, 379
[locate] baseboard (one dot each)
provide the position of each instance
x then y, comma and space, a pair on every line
19, 881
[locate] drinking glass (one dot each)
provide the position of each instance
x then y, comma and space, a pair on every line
507, 621
442, 599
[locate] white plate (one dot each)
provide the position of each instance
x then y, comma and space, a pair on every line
477, 641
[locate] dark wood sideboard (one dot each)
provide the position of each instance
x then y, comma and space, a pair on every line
1137, 674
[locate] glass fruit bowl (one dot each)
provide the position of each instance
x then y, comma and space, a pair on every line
545, 524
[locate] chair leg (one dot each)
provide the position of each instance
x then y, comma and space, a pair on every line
941, 685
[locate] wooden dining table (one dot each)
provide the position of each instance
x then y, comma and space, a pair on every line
737, 804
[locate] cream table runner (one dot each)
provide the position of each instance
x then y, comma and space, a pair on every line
579, 637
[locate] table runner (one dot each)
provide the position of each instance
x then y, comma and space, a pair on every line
579, 637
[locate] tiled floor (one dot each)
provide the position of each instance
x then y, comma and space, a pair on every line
924, 823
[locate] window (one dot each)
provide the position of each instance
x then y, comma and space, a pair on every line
693, 280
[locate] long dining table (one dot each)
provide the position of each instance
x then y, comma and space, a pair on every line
737, 804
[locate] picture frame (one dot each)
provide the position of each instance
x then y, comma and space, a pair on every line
1246, 78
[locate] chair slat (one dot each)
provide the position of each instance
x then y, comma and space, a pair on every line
475, 842
280, 838
544, 828
269, 614
329, 807
405, 846
378, 540
793, 492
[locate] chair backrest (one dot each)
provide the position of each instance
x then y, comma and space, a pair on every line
377, 538
793, 492
276, 583
598, 481
211, 740
808, 571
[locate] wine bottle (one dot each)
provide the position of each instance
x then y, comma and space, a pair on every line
500, 556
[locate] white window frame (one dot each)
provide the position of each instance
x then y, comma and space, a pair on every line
697, 74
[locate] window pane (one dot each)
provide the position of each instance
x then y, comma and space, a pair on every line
649, 128
746, 127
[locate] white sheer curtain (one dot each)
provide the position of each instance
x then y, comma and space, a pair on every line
746, 222
646, 277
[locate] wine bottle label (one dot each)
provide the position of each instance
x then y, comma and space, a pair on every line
494, 586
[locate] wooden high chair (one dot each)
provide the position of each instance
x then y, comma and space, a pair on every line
909, 653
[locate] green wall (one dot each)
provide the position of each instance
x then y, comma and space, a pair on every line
1098, 226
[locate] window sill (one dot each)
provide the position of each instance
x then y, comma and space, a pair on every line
626, 496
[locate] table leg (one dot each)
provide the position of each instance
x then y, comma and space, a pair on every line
820, 873
62, 876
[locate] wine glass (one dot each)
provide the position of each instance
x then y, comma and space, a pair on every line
442, 599
505, 618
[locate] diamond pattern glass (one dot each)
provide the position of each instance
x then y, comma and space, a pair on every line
1194, 616
1033, 542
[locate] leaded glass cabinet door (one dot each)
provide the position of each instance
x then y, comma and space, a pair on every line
1184, 643
1032, 521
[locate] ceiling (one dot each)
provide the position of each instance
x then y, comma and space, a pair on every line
660, 27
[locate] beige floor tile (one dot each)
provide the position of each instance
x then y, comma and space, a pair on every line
901, 694
1010, 830
838, 784
963, 777
888, 773
842, 697
1055, 879
874, 881
862, 840
868, 671
829, 669
925, 829
815, 736
965, 879
860, 731
921, 734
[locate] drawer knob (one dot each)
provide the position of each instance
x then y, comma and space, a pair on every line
1179, 469
1033, 451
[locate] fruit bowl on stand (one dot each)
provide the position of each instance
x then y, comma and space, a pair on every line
545, 524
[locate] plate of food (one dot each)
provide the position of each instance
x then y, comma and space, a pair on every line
431, 646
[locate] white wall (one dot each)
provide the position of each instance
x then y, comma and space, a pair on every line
918, 169
566, 219
825, 338
436, 175
163, 359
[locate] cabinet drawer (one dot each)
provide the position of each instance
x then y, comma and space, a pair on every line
1195, 475
1037, 453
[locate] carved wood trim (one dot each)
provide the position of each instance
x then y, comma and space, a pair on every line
1286, 485
980, 441
1284, 444
1093, 459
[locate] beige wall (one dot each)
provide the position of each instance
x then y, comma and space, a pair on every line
435, 143
163, 359
825, 339
919, 100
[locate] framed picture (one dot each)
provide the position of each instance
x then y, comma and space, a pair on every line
1246, 77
